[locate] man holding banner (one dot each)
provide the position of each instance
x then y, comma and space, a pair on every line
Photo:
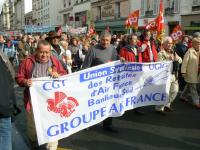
100, 54
131, 53
41, 64
168, 54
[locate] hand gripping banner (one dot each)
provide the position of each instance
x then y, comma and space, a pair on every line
77, 101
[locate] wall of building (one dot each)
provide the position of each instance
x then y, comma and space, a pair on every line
56, 18
20, 19
125, 7
80, 11
110, 14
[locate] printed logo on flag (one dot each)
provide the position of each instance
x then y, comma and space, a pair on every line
132, 20
62, 104
151, 25
176, 35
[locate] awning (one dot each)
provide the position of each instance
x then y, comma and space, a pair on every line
192, 28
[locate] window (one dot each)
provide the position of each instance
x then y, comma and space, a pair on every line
148, 8
117, 10
149, 5
69, 2
196, 2
64, 2
143, 6
99, 13
155, 7
176, 6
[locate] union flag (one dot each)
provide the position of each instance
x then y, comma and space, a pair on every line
152, 25
132, 20
177, 33
160, 22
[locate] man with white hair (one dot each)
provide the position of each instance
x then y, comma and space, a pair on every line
191, 72
168, 54
196, 34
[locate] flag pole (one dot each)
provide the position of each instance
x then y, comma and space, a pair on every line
130, 30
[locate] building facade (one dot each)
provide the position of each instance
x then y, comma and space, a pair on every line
81, 11
19, 20
110, 14
149, 10
183, 12
46, 12
190, 16
76, 13
5, 17
29, 18
67, 12
101, 13
12, 15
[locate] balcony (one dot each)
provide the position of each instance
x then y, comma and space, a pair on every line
149, 13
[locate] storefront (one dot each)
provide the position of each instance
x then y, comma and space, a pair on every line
115, 26
110, 15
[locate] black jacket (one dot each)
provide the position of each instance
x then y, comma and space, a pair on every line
7, 96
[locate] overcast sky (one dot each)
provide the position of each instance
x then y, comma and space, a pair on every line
28, 5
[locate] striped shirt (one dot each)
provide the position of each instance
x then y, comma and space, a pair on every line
41, 69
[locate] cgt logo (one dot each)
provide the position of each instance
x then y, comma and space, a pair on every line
62, 104
132, 20
176, 35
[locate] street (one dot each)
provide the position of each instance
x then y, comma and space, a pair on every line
178, 130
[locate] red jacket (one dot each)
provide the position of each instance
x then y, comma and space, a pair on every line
146, 52
25, 72
129, 55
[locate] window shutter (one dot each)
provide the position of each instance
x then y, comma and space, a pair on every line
176, 6
143, 7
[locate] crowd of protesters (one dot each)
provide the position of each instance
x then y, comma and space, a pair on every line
60, 54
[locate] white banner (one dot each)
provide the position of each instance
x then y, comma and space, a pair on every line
77, 101
80, 30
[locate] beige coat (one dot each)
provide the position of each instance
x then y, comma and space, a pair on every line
164, 56
190, 66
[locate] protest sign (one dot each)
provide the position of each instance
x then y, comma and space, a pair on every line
77, 101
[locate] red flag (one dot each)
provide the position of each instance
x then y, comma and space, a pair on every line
152, 25
160, 22
132, 20
177, 33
